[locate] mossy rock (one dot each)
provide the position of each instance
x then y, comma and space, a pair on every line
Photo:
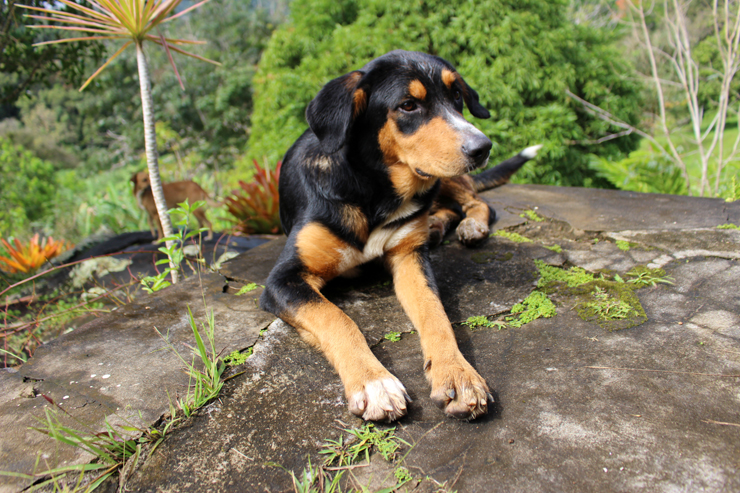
610, 304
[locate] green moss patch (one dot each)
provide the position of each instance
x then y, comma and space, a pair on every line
510, 235
728, 226
555, 248
606, 300
532, 216
536, 305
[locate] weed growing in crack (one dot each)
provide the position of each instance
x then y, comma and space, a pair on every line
203, 385
643, 276
367, 438
236, 358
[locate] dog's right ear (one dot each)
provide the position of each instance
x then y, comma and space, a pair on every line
331, 112
133, 178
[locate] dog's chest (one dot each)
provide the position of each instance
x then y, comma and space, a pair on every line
383, 237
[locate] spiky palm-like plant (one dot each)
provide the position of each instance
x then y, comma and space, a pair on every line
133, 21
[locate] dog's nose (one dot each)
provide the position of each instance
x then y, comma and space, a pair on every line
477, 148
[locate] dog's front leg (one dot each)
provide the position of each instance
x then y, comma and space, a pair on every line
456, 385
293, 294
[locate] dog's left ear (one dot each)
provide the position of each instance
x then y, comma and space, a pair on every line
331, 112
471, 101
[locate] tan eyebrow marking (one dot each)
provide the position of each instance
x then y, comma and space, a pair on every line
417, 89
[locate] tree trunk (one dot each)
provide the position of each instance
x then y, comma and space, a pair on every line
150, 143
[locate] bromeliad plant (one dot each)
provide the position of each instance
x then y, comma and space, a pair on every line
256, 205
134, 21
27, 258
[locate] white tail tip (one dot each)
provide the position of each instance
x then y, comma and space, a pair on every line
531, 152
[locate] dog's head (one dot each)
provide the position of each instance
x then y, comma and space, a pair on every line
413, 103
140, 181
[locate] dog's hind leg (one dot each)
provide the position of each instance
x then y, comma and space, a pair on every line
292, 292
456, 386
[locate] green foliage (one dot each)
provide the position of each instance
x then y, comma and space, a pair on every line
392, 336
28, 189
477, 321
174, 252
642, 171
536, 305
247, 288
551, 275
256, 206
555, 248
519, 56
510, 235
365, 439
23, 66
236, 358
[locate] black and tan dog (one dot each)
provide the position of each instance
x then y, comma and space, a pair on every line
360, 184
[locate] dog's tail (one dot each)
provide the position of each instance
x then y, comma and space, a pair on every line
500, 174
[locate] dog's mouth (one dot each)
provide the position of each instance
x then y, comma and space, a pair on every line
478, 163
422, 174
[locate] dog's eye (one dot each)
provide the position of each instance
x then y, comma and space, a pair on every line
408, 106
456, 94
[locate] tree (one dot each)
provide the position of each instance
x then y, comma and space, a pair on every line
521, 57
23, 66
131, 20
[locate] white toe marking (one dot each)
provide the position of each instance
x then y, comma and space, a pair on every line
385, 399
531, 152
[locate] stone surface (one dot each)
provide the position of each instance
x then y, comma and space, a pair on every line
577, 408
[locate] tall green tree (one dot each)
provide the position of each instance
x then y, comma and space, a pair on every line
520, 55
22, 65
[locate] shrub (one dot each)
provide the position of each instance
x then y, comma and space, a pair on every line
255, 206
521, 57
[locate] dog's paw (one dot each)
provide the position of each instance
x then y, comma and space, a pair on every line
458, 389
436, 231
471, 232
380, 400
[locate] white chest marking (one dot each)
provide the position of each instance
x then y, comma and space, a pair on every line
381, 239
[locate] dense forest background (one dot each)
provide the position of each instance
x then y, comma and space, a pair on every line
66, 156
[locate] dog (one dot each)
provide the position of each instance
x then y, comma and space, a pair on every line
384, 142
174, 193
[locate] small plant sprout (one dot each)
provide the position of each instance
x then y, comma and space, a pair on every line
393, 336
174, 245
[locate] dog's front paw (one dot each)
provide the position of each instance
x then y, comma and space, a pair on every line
436, 231
383, 399
458, 388
471, 232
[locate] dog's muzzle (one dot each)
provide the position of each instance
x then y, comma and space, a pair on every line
477, 148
